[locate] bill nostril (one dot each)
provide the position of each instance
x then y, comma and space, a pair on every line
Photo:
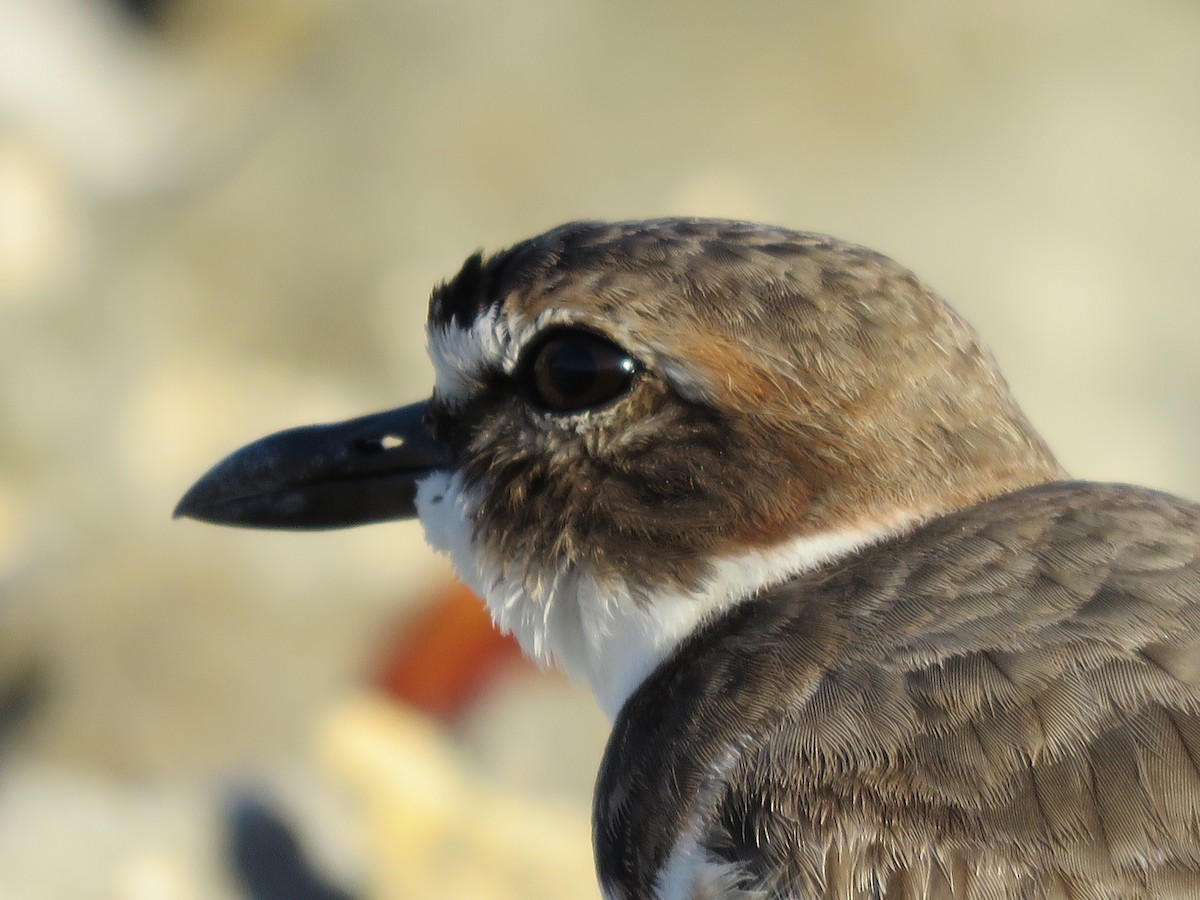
381, 445
368, 446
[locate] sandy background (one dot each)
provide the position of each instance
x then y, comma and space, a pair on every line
228, 222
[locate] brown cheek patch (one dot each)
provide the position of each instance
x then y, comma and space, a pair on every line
792, 481
775, 520
730, 369
776, 429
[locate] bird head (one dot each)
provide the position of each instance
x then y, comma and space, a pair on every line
635, 425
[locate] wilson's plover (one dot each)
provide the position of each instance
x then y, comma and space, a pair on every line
770, 499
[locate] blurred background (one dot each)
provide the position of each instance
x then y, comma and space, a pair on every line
221, 218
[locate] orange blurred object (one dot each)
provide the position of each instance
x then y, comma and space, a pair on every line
447, 657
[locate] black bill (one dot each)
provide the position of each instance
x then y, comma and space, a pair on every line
321, 476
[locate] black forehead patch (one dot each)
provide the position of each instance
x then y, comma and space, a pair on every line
484, 281
679, 250
466, 295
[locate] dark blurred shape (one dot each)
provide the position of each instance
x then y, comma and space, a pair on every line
149, 14
447, 657
20, 695
267, 857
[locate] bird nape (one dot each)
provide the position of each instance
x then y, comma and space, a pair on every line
770, 499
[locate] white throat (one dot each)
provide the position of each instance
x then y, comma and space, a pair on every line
598, 632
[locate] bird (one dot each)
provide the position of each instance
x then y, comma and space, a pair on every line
769, 497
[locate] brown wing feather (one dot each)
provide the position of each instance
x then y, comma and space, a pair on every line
1003, 704
1020, 702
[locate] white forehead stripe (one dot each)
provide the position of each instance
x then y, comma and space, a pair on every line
463, 354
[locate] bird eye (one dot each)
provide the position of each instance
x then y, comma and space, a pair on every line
575, 370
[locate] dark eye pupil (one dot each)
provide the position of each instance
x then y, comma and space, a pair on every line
573, 367
576, 370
